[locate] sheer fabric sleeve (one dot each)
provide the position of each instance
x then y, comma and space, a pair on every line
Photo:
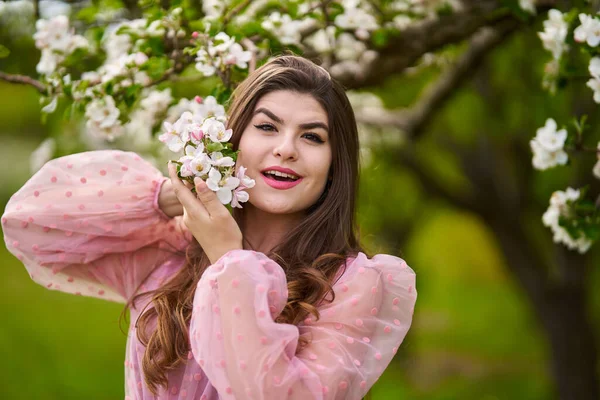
245, 354
89, 224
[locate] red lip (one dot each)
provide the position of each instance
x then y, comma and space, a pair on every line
281, 185
281, 169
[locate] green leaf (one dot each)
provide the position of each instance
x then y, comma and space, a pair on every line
215, 146
4, 51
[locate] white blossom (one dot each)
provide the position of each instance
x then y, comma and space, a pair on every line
356, 18
218, 160
222, 187
283, 27
56, 41
554, 34
596, 170
528, 5
220, 52
594, 83
323, 40
547, 146
588, 31
559, 207
215, 130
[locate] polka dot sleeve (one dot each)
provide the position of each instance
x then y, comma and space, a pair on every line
89, 224
245, 354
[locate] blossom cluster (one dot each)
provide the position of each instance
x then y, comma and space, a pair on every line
548, 146
220, 52
201, 142
560, 207
56, 40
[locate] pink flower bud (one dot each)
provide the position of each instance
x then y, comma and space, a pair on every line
194, 35
197, 135
198, 99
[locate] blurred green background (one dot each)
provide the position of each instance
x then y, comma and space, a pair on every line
474, 335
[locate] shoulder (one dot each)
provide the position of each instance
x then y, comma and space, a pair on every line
384, 266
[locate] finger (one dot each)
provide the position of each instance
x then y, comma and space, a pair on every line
209, 198
185, 196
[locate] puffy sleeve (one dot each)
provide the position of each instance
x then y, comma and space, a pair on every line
247, 355
89, 224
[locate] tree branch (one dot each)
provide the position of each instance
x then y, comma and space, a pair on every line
24, 80
430, 35
414, 120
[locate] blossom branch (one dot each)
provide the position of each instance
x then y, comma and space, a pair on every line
430, 35
23, 79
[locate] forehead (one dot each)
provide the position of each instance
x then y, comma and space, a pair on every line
293, 107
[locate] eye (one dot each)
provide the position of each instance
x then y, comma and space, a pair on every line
314, 137
265, 127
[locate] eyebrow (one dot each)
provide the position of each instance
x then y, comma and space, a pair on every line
308, 125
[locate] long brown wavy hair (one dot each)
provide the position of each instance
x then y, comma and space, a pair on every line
312, 252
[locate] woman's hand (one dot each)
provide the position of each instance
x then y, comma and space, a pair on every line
206, 218
168, 202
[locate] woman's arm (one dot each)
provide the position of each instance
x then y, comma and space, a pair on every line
245, 353
90, 224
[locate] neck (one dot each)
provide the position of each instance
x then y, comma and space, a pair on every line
263, 231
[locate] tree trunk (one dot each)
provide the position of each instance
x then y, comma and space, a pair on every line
561, 308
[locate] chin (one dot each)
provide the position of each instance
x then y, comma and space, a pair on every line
280, 206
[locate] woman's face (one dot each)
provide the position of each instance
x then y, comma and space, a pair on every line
288, 130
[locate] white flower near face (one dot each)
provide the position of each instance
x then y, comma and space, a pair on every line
554, 34
245, 181
547, 146
222, 187
588, 31
201, 164
174, 137
211, 108
237, 56
217, 160
216, 130
528, 5
239, 195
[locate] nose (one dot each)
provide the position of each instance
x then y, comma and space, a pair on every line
286, 148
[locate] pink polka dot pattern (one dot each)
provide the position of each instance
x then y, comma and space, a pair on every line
122, 237
352, 341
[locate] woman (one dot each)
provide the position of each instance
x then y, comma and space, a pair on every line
275, 301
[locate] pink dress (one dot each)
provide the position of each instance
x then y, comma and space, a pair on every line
89, 224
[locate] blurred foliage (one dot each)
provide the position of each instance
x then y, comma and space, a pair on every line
473, 336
